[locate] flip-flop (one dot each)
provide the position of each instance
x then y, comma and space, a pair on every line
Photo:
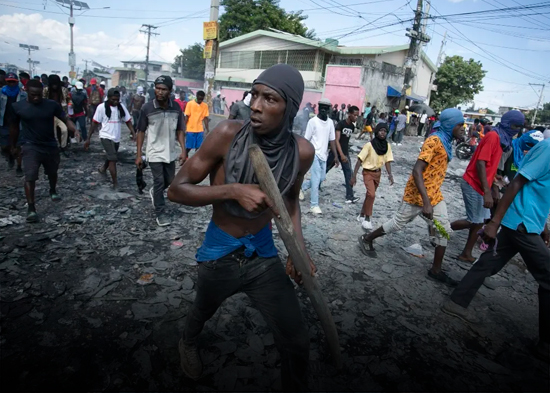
365, 250
443, 278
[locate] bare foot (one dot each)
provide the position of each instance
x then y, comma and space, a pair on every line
102, 170
465, 258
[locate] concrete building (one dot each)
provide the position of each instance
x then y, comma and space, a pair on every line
350, 75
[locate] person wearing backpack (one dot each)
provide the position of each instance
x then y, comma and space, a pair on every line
95, 97
79, 100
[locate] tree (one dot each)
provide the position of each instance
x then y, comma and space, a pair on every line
244, 16
543, 116
192, 62
457, 81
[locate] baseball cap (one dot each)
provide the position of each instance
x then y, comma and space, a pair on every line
397, 111
102, 83
11, 76
79, 85
93, 81
325, 101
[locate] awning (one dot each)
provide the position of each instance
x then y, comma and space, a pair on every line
393, 91
416, 97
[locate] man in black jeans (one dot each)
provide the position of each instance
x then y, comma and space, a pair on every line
162, 119
522, 211
238, 253
344, 130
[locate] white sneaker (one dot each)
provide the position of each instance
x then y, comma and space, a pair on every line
360, 219
301, 196
366, 225
399, 144
354, 200
316, 210
393, 143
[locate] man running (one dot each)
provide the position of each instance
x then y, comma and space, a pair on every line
478, 191
10, 94
136, 104
110, 116
521, 215
320, 132
423, 195
36, 117
238, 253
344, 130
374, 155
196, 113
162, 120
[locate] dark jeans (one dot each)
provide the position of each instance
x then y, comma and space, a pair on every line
265, 282
163, 174
81, 122
346, 167
536, 256
420, 127
398, 136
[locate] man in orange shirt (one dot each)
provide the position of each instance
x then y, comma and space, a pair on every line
196, 113
423, 195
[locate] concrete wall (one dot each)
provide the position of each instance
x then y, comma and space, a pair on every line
395, 58
236, 94
312, 96
422, 81
375, 80
189, 83
343, 85
265, 43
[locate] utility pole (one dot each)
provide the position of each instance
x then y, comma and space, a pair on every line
417, 38
29, 49
538, 103
437, 64
149, 33
86, 67
71, 4
210, 66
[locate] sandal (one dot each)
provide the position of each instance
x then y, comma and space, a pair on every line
369, 252
442, 277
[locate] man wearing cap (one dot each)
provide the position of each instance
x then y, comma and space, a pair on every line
79, 101
36, 117
11, 93
95, 97
320, 132
110, 116
162, 120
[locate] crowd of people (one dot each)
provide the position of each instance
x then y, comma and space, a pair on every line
238, 252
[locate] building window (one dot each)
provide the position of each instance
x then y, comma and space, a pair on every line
303, 60
350, 61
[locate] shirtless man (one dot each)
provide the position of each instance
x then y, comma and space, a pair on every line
238, 253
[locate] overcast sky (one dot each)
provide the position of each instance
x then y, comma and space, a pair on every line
514, 49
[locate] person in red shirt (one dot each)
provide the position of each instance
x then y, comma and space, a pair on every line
478, 191
181, 101
95, 97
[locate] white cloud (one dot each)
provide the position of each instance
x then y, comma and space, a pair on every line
103, 47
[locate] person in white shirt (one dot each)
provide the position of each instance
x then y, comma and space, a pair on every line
422, 122
110, 115
320, 132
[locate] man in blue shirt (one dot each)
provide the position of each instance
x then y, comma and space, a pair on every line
522, 212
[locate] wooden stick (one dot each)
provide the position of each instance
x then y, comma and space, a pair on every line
297, 253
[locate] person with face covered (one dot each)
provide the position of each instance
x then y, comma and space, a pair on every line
320, 132
374, 155
422, 196
478, 189
36, 115
110, 116
238, 253
162, 120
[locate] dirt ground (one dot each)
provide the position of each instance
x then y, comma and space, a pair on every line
76, 317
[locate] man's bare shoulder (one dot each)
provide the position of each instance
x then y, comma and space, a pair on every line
227, 129
306, 150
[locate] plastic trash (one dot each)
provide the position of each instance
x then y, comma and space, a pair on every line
414, 249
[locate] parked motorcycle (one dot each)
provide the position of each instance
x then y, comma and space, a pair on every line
465, 150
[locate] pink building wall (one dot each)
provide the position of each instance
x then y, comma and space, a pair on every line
189, 83
311, 96
232, 95
343, 86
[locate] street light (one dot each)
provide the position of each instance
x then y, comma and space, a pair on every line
29, 48
71, 4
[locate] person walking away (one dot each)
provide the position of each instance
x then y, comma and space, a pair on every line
240, 111
320, 132
238, 253
55, 91
196, 113
342, 113
367, 129
223, 105
216, 104
162, 121
478, 191
422, 196
136, 104
400, 127
393, 125
151, 93
95, 97
422, 122
521, 215
110, 116
10, 94
382, 119
34, 118
79, 102
343, 132
374, 155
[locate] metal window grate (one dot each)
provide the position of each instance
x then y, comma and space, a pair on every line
303, 60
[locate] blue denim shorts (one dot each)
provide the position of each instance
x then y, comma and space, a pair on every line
193, 140
473, 201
